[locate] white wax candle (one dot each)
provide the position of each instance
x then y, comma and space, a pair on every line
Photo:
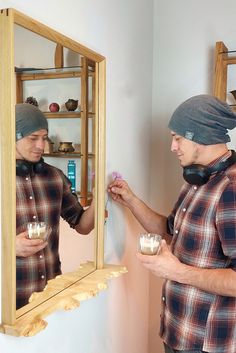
36, 231
149, 245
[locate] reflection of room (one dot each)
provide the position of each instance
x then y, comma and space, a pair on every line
34, 52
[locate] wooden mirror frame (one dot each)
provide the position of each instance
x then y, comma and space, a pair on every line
65, 291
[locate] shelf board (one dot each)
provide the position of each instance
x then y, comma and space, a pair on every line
63, 154
66, 114
66, 154
233, 107
29, 74
88, 196
63, 115
230, 60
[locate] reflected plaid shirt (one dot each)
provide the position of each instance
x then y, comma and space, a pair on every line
203, 225
42, 197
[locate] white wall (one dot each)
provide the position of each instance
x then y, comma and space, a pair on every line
184, 39
117, 320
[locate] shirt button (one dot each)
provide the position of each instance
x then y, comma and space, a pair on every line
195, 187
42, 276
26, 178
176, 231
30, 197
40, 256
184, 209
34, 217
163, 299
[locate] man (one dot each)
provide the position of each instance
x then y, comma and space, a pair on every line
199, 294
43, 193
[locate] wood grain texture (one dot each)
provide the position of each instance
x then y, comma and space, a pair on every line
73, 292
7, 151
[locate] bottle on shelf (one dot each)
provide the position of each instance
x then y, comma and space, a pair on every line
71, 173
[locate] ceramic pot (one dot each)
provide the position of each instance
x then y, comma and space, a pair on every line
66, 147
54, 107
71, 104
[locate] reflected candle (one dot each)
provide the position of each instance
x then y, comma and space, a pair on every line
38, 230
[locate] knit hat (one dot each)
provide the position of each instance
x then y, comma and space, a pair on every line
203, 119
28, 120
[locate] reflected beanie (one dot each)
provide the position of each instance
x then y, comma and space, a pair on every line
28, 120
203, 119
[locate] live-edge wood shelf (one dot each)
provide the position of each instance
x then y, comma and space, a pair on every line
75, 290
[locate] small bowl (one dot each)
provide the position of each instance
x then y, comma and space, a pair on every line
38, 230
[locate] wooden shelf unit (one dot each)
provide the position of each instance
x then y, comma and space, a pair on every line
223, 58
83, 72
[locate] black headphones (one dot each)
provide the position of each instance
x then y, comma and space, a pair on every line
197, 174
24, 168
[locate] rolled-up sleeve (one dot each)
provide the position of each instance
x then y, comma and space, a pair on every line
71, 209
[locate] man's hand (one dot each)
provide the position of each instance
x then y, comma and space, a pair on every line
164, 265
121, 192
27, 247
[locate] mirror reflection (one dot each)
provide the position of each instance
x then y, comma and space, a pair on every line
55, 161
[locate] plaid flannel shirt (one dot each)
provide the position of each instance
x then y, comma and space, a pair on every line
203, 225
42, 197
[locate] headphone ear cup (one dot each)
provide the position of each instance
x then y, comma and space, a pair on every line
196, 174
39, 167
23, 168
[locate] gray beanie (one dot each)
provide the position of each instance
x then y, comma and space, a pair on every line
28, 120
203, 119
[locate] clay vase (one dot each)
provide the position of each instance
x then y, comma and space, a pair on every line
66, 147
71, 104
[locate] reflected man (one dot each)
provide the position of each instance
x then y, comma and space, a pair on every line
43, 194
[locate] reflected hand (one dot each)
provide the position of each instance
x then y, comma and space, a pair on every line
164, 265
27, 247
121, 192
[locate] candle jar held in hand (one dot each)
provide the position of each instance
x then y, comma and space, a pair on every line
149, 244
38, 230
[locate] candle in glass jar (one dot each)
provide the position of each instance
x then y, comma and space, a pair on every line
149, 244
38, 230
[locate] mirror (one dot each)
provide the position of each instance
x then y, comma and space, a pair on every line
32, 57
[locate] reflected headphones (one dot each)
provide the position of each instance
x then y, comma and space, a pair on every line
24, 167
197, 174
